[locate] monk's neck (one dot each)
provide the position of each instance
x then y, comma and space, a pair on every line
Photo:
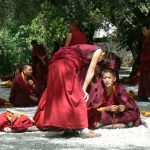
109, 90
25, 77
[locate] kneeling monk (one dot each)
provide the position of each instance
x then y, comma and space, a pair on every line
111, 104
24, 91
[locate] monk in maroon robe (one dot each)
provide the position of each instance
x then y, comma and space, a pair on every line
144, 83
40, 63
62, 105
75, 36
25, 89
110, 104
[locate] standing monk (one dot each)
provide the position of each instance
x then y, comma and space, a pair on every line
111, 104
40, 63
25, 89
63, 105
75, 36
144, 83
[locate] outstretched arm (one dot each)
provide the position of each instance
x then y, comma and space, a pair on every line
97, 56
68, 39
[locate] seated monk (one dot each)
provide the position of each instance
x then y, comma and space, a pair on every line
25, 89
111, 104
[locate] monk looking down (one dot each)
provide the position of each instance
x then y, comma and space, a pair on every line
24, 91
40, 63
111, 104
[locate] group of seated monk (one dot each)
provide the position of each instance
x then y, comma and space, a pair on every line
109, 106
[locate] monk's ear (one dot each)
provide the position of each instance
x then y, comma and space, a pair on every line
115, 79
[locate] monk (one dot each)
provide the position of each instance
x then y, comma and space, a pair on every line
75, 36
111, 104
63, 105
144, 80
40, 63
25, 89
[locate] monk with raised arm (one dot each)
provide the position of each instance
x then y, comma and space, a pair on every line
25, 89
111, 104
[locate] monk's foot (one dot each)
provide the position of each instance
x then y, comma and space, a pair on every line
89, 134
32, 128
70, 133
98, 125
8, 130
130, 124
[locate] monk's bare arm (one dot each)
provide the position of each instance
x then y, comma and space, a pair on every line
68, 39
91, 69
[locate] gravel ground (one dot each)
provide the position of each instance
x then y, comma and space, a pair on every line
112, 139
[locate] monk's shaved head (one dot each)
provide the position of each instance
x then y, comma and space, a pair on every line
25, 67
109, 70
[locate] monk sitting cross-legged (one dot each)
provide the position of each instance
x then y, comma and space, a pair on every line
111, 106
25, 89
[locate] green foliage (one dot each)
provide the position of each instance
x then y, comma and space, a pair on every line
46, 21
48, 27
8, 54
84, 11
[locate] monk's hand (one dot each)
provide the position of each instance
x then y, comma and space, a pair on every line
33, 98
102, 57
113, 108
32, 83
121, 108
86, 97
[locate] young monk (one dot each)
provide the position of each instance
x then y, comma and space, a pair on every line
25, 89
111, 104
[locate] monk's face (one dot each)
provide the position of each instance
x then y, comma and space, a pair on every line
28, 71
108, 79
145, 31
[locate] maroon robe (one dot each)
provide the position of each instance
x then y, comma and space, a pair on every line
39, 69
21, 91
78, 37
144, 83
119, 96
21, 123
62, 104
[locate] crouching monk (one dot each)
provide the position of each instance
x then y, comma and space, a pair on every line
111, 104
24, 91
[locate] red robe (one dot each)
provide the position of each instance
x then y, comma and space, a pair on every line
62, 104
144, 83
39, 69
118, 97
20, 123
21, 90
78, 37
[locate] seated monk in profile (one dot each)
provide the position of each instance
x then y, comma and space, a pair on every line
111, 105
25, 89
